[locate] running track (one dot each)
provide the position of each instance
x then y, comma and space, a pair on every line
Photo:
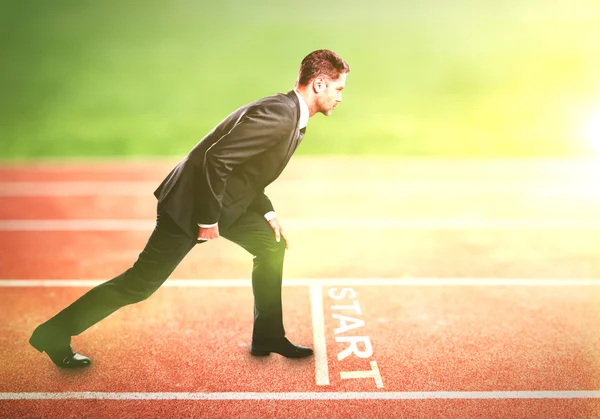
468, 289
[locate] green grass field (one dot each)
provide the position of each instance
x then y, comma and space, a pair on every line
444, 78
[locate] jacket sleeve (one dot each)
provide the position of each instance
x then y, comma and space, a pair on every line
260, 129
261, 204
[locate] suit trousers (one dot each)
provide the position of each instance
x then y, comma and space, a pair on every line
165, 249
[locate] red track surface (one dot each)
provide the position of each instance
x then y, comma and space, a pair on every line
84, 255
178, 340
425, 339
105, 172
77, 207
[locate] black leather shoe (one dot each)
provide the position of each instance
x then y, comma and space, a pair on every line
58, 349
282, 347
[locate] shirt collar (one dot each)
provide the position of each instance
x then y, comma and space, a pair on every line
304, 113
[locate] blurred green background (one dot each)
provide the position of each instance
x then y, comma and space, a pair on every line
428, 78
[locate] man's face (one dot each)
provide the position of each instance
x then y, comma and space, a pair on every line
329, 93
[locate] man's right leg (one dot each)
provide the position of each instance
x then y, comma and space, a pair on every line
166, 247
252, 232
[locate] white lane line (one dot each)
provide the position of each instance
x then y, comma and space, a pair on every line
324, 282
320, 345
417, 395
321, 224
573, 187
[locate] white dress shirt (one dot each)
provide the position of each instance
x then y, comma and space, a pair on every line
304, 115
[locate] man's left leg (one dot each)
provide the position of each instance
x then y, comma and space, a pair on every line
252, 232
166, 247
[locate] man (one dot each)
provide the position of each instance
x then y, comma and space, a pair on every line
218, 189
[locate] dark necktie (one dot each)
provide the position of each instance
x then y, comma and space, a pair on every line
300, 136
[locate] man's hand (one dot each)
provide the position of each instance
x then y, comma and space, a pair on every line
210, 233
278, 231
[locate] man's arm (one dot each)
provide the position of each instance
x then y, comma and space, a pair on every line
262, 205
259, 130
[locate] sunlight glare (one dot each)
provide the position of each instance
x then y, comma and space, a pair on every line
592, 131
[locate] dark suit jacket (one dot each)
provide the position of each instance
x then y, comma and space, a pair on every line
227, 171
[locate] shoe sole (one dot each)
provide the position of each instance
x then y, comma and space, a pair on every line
267, 353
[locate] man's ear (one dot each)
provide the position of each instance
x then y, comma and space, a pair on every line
318, 84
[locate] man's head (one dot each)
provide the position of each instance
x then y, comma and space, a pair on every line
321, 79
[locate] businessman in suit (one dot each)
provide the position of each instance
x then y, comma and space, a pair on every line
218, 190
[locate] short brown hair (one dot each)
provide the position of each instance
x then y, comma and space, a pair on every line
321, 61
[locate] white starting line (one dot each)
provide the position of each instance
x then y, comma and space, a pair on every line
410, 395
319, 340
